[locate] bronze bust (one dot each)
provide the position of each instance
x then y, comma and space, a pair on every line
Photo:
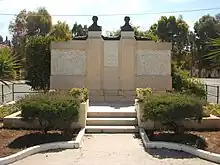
95, 26
127, 26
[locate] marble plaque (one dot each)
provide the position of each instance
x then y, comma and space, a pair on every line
111, 53
150, 62
68, 62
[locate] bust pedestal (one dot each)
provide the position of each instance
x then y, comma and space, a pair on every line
127, 35
94, 34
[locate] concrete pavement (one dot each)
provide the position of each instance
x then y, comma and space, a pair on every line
113, 149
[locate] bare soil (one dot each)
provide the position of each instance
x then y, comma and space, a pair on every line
212, 139
13, 141
207, 140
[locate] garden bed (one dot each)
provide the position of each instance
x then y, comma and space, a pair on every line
207, 140
13, 141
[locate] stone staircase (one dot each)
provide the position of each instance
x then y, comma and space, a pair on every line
109, 120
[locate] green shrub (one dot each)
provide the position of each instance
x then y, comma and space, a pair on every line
213, 109
142, 93
171, 109
50, 110
183, 83
8, 110
81, 93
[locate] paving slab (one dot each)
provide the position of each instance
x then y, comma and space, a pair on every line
113, 149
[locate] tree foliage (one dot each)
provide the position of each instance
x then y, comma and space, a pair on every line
61, 31
32, 33
27, 24
137, 32
206, 28
38, 23
79, 30
1, 39
175, 30
183, 83
38, 62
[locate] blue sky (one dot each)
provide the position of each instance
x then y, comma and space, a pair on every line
96, 7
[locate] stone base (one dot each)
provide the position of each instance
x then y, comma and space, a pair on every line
112, 95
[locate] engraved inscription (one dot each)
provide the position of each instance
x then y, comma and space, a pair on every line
68, 62
111, 54
151, 62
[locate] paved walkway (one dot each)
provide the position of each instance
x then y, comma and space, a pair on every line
112, 149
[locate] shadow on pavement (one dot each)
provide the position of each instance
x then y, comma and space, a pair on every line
165, 153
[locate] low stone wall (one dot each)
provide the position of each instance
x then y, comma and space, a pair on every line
212, 122
15, 121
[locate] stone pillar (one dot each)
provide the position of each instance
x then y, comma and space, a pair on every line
127, 60
95, 57
83, 113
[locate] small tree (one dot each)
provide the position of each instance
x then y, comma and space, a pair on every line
38, 62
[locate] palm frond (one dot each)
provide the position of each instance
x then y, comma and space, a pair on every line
215, 52
8, 65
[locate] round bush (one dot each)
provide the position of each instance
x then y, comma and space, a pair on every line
49, 109
171, 109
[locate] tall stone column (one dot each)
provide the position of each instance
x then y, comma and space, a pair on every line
127, 59
95, 57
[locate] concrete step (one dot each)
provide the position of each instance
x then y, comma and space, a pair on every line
111, 114
111, 129
111, 121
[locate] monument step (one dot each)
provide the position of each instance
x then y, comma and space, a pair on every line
111, 114
111, 129
111, 121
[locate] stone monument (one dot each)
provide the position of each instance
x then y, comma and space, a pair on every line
111, 69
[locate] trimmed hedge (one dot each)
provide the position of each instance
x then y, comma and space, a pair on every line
50, 108
170, 109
